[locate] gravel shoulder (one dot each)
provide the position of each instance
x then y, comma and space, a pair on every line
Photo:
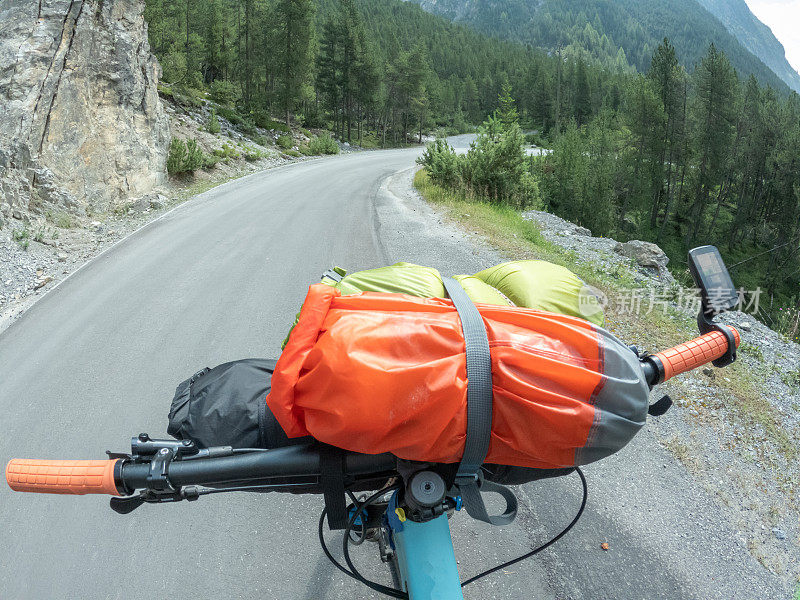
743, 450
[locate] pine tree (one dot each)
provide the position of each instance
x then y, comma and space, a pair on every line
666, 75
714, 114
296, 25
508, 111
583, 99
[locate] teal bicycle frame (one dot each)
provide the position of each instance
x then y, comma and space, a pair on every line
426, 561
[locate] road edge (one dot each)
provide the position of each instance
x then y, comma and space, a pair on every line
13, 313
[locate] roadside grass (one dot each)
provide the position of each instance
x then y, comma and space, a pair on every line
654, 327
505, 229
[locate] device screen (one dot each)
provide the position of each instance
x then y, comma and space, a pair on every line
711, 276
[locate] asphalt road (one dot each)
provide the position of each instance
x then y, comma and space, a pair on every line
97, 359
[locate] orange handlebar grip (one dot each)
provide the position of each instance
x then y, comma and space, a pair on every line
695, 353
62, 476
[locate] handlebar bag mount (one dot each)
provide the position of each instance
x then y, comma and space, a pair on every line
383, 372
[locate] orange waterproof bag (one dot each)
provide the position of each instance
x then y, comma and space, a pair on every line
377, 372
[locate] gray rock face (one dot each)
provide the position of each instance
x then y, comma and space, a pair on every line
80, 119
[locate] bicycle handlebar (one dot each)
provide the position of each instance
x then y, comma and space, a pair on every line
122, 477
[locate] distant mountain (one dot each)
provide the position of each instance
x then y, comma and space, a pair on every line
613, 32
755, 36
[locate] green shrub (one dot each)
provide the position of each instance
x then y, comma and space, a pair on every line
188, 96
293, 153
284, 141
496, 168
263, 120
442, 163
528, 193
194, 156
496, 163
224, 92
252, 154
226, 152
210, 161
305, 150
61, 219
184, 157
233, 117
248, 127
22, 237
173, 66
369, 140
213, 123
323, 144
176, 157
165, 91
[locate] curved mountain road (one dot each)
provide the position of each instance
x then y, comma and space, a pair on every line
97, 359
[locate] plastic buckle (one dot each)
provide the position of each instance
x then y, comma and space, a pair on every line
463, 479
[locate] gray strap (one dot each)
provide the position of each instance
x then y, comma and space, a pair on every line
479, 412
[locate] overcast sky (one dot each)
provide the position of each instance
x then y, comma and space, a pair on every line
783, 17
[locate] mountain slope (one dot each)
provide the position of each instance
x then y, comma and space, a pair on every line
755, 36
604, 27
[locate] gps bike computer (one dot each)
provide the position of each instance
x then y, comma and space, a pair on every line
711, 275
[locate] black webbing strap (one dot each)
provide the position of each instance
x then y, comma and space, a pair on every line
331, 463
479, 413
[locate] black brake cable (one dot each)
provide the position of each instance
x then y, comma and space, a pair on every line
543, 546
353, 571
204, 491
400, 594
373, 585
322, 543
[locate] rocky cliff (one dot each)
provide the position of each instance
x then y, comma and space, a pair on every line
81, 125
755, 36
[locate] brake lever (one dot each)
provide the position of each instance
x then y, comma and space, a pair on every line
126, 504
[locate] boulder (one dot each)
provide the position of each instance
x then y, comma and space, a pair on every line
647, 255
582, 231
80, 118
